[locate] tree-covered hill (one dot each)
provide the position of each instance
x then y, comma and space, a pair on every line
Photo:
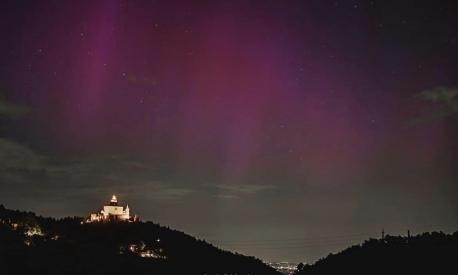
30, 244
428, 253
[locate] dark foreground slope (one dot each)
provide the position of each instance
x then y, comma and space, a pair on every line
37, 245
428, 253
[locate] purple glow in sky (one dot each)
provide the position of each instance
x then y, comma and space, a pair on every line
236, 121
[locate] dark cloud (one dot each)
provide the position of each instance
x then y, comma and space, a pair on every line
14, 156
9, 109
243, 188
444, 103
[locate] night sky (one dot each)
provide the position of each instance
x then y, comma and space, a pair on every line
281, 129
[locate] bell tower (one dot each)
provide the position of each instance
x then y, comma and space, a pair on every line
114, 201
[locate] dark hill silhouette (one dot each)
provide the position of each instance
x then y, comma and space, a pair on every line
428, 253
31, 244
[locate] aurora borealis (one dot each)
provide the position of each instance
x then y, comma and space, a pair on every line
280, 129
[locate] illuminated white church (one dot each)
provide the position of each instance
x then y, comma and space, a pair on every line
113, 212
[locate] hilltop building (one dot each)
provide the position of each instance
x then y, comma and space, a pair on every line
113, 212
